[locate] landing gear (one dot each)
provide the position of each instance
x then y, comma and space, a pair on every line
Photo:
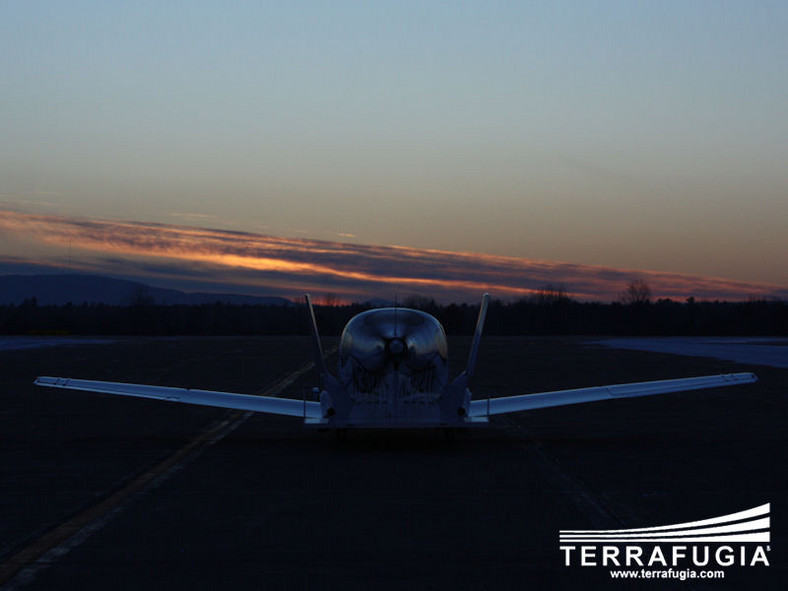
341, 435
449, 434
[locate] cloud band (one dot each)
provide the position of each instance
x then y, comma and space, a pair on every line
353, 271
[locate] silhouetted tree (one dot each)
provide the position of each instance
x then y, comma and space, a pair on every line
330, 300
637, 292
523, 317
552, 294
140, 297
419, 302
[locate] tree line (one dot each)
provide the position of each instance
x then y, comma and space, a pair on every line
547, 313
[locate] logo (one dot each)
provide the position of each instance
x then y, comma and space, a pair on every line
674, 551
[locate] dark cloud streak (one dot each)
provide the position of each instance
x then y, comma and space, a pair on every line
256, 263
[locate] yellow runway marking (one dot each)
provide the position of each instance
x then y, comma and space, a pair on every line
21, 567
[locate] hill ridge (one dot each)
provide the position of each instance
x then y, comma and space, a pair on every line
64, 288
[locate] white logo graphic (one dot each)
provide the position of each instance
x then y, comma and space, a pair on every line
751, 525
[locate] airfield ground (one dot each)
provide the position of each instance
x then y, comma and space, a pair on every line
257, 502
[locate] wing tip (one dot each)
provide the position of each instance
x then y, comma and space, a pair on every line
746, 377
46, 381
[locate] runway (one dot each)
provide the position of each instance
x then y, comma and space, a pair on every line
769, 351
266, 504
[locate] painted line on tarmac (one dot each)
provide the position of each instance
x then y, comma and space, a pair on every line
22, 567
599, 513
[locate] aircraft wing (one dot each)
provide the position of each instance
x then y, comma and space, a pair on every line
496, 406
269, 404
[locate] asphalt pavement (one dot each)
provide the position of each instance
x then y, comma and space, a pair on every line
106, 492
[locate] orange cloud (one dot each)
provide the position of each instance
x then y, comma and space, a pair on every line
351, 270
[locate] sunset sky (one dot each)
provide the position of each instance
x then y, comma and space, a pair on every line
439, 148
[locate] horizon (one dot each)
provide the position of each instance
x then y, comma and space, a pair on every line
194, 259
547, 294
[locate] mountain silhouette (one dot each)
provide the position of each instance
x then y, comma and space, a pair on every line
93, 289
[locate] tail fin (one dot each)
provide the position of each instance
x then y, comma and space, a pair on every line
320, 362
470, 369
334, 402
456, 399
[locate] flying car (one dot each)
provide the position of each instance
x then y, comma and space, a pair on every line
393, 373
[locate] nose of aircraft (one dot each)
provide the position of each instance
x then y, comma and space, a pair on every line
396, 347
402, 340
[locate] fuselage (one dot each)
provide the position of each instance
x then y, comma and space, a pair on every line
393, 365
382, 343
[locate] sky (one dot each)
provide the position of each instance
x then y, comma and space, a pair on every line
587, 139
